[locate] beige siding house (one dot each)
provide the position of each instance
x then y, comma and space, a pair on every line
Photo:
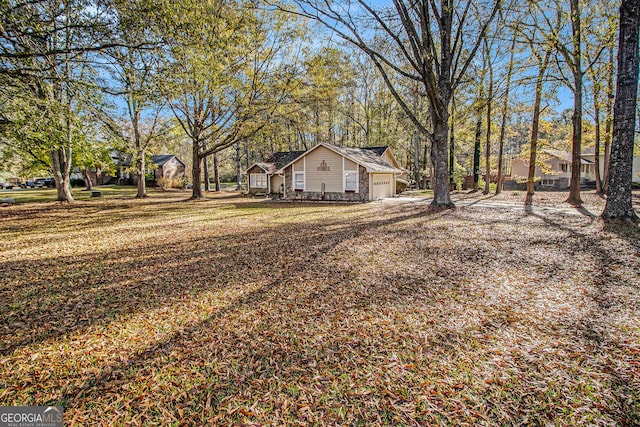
168, 166
555, 168
636, 169
327, 172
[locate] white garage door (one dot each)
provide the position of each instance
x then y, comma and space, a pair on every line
382, 186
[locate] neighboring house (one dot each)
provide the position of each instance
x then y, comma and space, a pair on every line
167, 166
327, 172
636, 169
556, 169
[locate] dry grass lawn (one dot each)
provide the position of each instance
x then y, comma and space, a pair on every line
234, 311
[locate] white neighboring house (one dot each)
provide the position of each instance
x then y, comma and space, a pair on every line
556, 172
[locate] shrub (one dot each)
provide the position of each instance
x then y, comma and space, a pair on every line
401, 185
77, 182
169, 183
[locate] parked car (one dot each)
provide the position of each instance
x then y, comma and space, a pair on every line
45, 182
28, 184
6, 185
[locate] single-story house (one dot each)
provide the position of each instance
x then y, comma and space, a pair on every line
166, 166
555, 171
327, 172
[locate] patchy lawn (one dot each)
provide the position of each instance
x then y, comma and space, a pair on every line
170, 312
39, 195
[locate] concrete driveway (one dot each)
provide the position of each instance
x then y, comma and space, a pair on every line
490, 204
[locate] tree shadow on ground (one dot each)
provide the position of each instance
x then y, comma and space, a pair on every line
372, 329
48, 299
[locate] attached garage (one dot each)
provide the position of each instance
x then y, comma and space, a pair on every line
328, 172
382, 185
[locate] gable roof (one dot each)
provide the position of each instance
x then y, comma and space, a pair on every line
162, 159
266, 167
564, 155
282, 158
378, 150
277, 161
367, 157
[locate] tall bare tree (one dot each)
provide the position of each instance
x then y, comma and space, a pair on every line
568, 42
600, 31
619, 203
536, 40
505, 107
489, 104
133, 72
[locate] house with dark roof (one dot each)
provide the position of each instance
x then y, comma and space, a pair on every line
165, 166
327, 172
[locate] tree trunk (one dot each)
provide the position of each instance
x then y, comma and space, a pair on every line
535, 126
205, 172
142, 185
87, 179
196, 170
61, 166
216, 171
440, 160
238, 168
196, 177
416, 158
426, 162
452, 145
476, 154
596, 115
205, 169
619, 203
608, 126
416, 139
576, 120
505, 107
487, 163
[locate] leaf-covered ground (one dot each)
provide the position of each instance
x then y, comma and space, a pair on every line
235, 311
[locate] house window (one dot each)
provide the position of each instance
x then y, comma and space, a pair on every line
351, 181
563, 167
298, 181
258, 180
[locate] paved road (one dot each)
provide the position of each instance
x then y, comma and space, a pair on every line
474, 203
